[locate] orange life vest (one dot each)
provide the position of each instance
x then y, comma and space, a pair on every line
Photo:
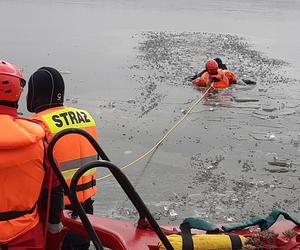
220, 80
21, 175
231, 76
72, 151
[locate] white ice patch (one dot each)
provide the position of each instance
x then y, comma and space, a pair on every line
127, 152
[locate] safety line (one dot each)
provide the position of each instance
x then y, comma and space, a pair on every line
163, 138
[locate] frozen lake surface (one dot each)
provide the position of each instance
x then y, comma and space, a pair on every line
126, 62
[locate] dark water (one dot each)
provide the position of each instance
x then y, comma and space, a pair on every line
215, 165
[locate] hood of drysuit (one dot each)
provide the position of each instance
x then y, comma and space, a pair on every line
46, 89
16, 133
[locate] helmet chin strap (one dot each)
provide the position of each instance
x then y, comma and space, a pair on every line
9, 104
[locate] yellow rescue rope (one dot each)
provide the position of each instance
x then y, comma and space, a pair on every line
163, 138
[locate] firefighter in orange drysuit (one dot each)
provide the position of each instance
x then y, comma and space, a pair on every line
212, 76
46, 99
24, 173
210, 68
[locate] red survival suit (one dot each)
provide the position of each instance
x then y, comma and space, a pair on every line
219, 80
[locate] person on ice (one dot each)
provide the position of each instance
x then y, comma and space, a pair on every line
221, 65
46, 99
210, 66
24, 172
213, 74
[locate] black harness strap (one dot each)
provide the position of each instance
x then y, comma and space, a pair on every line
236, 243
187, 240
14, 214
188, 244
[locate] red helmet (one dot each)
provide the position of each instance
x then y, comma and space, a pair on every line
211, 66
11, 82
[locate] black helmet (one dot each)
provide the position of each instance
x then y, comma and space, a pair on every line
220, 63
45, 90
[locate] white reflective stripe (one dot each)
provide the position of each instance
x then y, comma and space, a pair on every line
71, 164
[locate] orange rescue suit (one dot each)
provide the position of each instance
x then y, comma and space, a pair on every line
231, 76
220, 80
21, 175
72, 151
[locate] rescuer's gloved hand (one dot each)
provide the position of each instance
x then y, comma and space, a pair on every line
55, 228
249, 82
215, 79
54, 240
193, 77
